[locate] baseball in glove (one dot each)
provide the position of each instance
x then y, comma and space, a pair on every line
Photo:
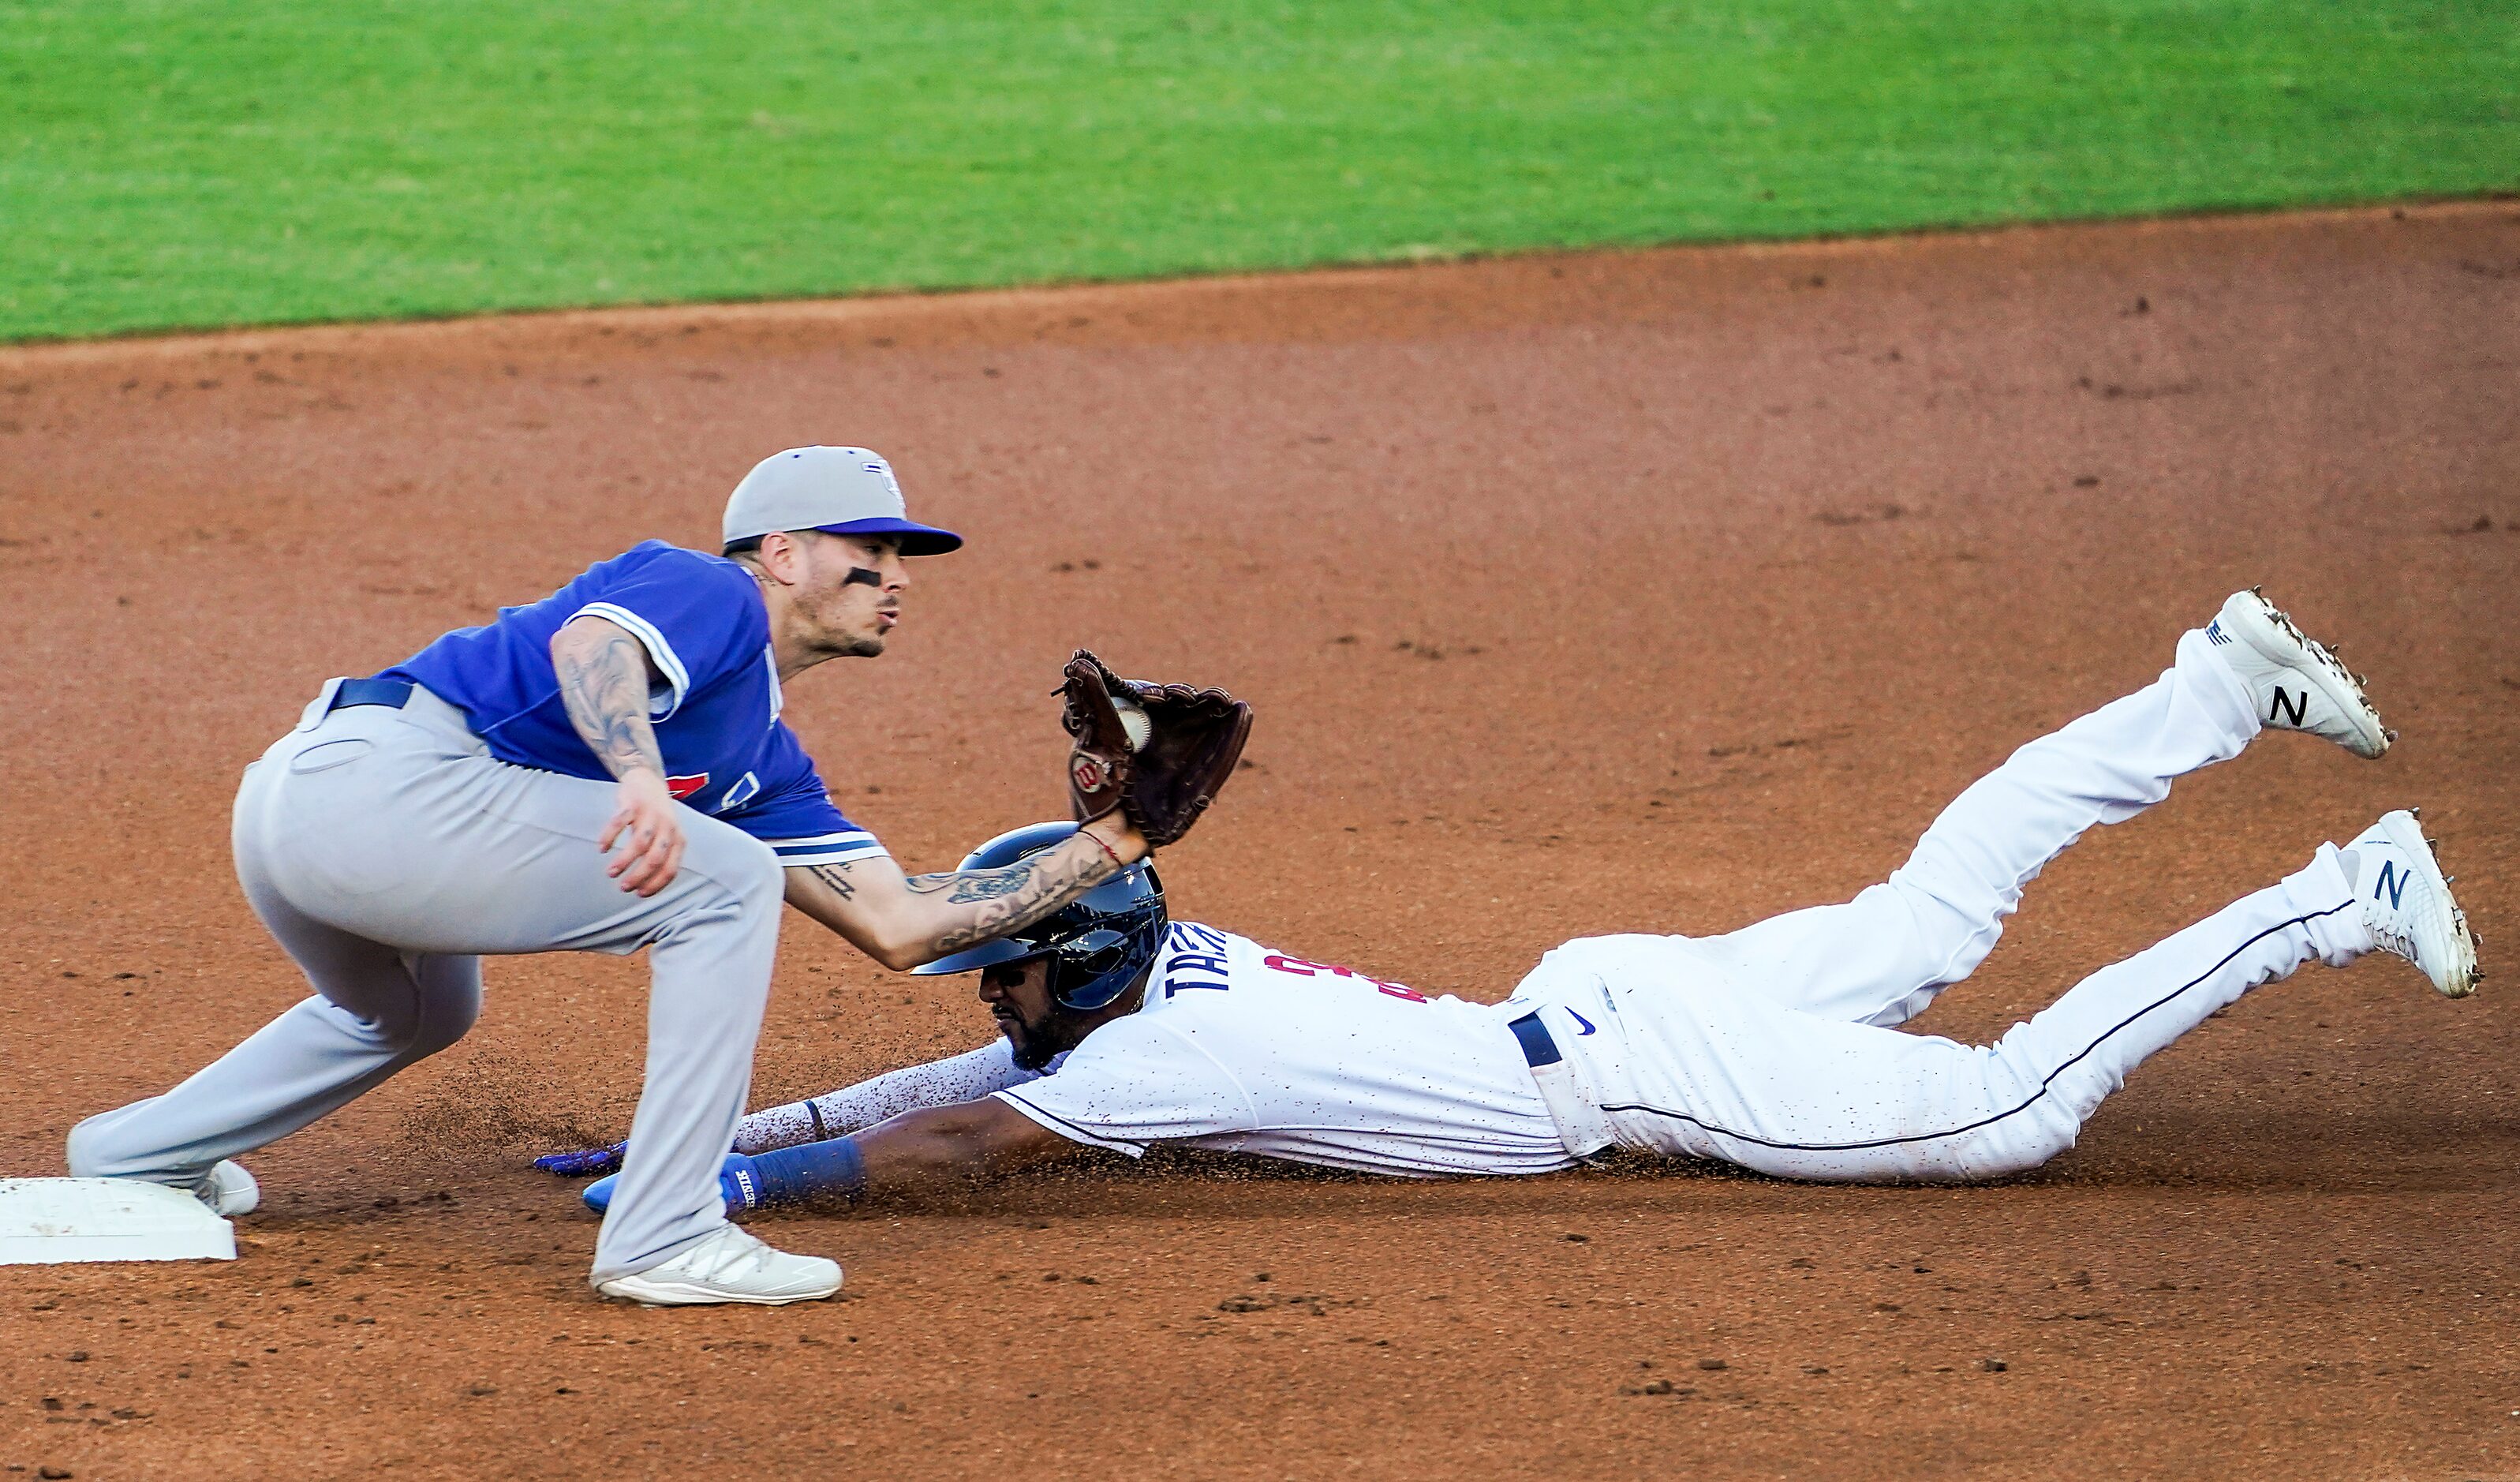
1158, 752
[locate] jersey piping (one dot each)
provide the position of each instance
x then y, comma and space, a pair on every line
827, 848
1065, 1127
669, 664
2034, 1098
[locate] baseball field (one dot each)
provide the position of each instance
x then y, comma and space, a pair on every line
1637, 587
176, 164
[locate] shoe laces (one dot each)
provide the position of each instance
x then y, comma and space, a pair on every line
733, 1254
2400, 928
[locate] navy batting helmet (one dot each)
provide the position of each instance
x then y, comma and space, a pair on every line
1097, 944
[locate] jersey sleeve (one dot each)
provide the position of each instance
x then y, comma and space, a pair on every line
791, 811
698, 619
1134, 1082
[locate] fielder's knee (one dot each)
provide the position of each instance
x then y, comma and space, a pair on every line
450, 1003
737, 863
433, 1004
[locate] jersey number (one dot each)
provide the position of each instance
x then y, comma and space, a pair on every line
1302, 969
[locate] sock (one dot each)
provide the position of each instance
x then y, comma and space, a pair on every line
834, 1169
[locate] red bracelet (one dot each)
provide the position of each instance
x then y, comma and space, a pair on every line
1116, 861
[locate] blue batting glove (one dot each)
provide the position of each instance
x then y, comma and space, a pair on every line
577, 1165
734, 1182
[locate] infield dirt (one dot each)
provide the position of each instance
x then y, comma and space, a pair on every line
1654, 590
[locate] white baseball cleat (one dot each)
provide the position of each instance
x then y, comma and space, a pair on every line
730, 1265
228, 1189
2407, 903
2298, 683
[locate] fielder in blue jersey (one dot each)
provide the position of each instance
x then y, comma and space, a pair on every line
605, 770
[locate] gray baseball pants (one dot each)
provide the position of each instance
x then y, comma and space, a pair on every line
388, 852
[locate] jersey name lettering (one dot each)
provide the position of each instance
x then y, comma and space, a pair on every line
1198, 955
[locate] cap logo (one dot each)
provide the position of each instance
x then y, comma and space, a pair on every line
883, 471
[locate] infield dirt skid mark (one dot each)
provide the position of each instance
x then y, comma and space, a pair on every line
1634, 501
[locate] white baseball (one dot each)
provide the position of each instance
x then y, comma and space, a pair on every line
1133, 720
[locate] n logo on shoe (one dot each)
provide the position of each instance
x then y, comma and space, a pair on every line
2393, 881
2287, 709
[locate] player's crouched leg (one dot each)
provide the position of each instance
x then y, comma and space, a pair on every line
711, 956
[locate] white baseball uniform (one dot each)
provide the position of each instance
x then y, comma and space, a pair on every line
1768, 1046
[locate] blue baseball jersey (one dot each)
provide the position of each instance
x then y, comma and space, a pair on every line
714, 709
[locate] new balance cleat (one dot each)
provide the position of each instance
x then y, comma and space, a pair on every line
2406, 904
729, 1266
228, 1189
2298, 683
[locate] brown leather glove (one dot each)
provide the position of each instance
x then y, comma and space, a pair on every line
1160, 766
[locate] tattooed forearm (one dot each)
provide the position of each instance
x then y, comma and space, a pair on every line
604, 682
963, 887
1013, 896
903, 920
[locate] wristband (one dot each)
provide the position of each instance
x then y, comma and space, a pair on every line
1116, 861
827, 1170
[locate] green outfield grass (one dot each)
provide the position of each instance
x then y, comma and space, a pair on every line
193, 163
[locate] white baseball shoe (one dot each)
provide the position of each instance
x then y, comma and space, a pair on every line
2408, 906
229, 1190
730, 1265
2298, 683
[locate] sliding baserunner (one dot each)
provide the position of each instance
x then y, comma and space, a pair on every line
1770, 1046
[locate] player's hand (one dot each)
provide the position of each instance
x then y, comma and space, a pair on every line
577, 1165
1121, 837
651, 835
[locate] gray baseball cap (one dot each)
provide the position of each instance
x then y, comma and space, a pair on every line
846, 491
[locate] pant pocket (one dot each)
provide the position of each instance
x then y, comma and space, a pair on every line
324, 756
328, 840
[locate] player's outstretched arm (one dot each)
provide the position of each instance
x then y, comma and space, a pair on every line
934, 1151
939, 1147
954, 1079
903, 920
